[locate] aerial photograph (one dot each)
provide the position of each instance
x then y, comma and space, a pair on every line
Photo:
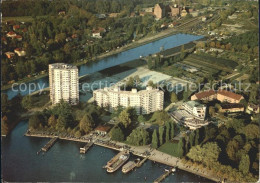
130, 91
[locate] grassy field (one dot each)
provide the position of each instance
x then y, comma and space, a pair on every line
170, 148
40, 100
20, 19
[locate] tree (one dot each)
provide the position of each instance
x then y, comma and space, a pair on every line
167, 136
4, 125
154, 140
244, 164
232, 148
161, 134
174, 97
141, 119
181, 147
212, 111
4, 103
34, 121
52, 122
125, 119
172, 129
182, 52
207, 154
27, 102
138, 137
86, 124
117, 134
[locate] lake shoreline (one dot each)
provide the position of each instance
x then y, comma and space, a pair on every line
175, 161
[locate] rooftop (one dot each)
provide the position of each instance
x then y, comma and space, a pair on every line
205, 94
63, 66
230, 94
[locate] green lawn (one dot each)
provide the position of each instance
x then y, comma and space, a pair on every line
20, 19
170, 148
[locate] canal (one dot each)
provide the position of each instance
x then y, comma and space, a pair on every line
120, 58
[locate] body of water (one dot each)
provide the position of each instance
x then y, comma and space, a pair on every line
64, 163
120, 58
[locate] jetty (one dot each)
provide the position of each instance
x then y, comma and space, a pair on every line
164, 175
84, 149
141, 162
49, 144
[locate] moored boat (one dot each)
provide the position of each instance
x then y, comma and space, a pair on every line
117, 162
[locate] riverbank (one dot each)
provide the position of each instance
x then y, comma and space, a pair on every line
155, 155
148, 39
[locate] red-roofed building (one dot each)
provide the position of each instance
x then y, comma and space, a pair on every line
98, 33
102, 130
227, 96
205, 95
9, 54
19, 38
221, 95
15, 27
11, 34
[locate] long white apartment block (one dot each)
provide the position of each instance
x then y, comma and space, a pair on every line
144, 101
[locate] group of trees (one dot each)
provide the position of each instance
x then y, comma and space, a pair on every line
166, 133
65, 118
10, 110
234, 144
127, 122
138, 137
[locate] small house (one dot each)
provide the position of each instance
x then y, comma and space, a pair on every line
9, 54
11, 34
20, 52
102, 130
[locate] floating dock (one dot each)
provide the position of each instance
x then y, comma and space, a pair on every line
164, 175
49, 144
84, 149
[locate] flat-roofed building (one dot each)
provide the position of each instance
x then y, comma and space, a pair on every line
64, 83
144, 101
195, 108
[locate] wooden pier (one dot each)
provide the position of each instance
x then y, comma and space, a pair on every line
163, 176
141, 162
49, 144
84, 149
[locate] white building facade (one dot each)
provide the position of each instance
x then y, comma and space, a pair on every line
64, 83
144, 101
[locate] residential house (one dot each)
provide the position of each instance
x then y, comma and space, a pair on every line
203, 18
11, 34
113, 15
19, 38
9, 54
16, 27
20, 52
62, 13
102, 130
184, 12
98, 33
175, 10
252, 108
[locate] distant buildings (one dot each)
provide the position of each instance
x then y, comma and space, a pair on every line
63, 79
144, 101
98, 33
221, 95
20, 52
161, 10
